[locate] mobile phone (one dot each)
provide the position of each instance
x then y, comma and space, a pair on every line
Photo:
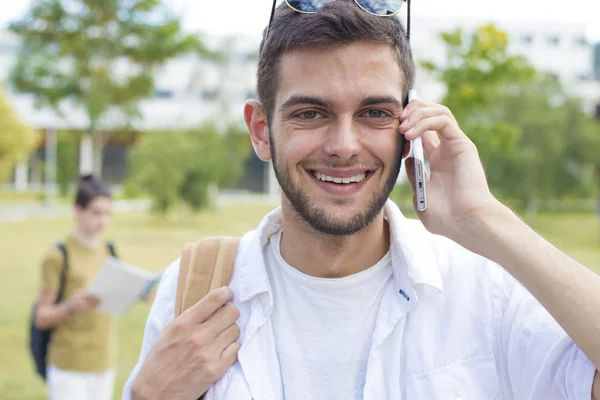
419, 157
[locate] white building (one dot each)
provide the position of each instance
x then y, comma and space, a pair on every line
190, 91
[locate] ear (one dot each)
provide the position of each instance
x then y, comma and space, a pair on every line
77, 210
256, 121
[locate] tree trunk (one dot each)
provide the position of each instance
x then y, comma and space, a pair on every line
99, 140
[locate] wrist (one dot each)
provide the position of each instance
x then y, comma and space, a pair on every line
68, 308
140, 391
483, 230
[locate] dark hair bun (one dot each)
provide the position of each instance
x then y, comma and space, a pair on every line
90, 188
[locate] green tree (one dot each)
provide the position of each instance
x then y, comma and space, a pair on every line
173, 167
17, 139
521, 120
99, 56
544, 163
158, 168
478, 69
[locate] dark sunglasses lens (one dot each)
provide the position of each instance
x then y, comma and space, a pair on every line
381, 7
306, 6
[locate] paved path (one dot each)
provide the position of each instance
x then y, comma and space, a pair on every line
15, 212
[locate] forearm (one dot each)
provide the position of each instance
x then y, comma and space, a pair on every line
49, 316
569, 291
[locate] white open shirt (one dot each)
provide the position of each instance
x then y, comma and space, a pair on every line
453, 325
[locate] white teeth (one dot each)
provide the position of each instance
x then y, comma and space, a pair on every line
352, 179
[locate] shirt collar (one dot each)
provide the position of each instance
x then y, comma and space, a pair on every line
413, 260
412, 250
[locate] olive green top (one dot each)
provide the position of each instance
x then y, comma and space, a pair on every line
86, 342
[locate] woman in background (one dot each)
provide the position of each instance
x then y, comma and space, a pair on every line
81, 352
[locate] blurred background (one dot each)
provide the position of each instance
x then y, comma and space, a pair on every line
148, 95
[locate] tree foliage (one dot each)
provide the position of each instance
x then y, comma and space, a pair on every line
98, 56
173, 167
534, 140
17, 139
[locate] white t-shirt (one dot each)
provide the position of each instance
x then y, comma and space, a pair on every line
323, 327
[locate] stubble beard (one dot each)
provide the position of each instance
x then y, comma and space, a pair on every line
316, 217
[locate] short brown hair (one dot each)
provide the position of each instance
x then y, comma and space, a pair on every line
338, 22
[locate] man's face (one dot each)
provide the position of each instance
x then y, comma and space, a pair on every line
94, 219
334, 136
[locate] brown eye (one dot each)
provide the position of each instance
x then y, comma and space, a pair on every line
376, 114
308, 115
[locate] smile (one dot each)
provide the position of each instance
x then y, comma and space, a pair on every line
342, 180
339, 182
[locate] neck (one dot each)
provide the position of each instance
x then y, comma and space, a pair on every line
327, 256
84, 239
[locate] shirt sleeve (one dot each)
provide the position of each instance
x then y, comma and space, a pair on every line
540, 360
52, 265
161, 313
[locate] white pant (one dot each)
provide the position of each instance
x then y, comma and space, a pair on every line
72, 385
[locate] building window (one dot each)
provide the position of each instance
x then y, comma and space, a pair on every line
581, 41
163, 94
584, 77
554, 40
208, 95
526, 39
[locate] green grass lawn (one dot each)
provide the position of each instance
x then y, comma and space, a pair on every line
153, 243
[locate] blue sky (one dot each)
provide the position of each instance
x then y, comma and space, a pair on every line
250, 16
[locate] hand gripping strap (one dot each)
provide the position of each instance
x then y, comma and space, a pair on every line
205, 266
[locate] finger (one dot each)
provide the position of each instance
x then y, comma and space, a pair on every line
415, 105
430, 142
202, 310
230, 354
221, 320
225, 338
421, 113
442, 124
93, 298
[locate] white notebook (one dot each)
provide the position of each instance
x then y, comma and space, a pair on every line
120, 285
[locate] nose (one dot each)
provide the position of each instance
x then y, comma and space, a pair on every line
343, 141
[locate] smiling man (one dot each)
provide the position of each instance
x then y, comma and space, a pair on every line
336, 295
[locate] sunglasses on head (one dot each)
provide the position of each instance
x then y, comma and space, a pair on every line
380, 8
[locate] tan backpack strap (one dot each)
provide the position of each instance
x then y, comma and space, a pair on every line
205, 265
184, 262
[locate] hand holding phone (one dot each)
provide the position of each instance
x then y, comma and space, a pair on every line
419, 159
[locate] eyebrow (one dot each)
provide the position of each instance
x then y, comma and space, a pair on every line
374, 100
315, 101
325, 103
